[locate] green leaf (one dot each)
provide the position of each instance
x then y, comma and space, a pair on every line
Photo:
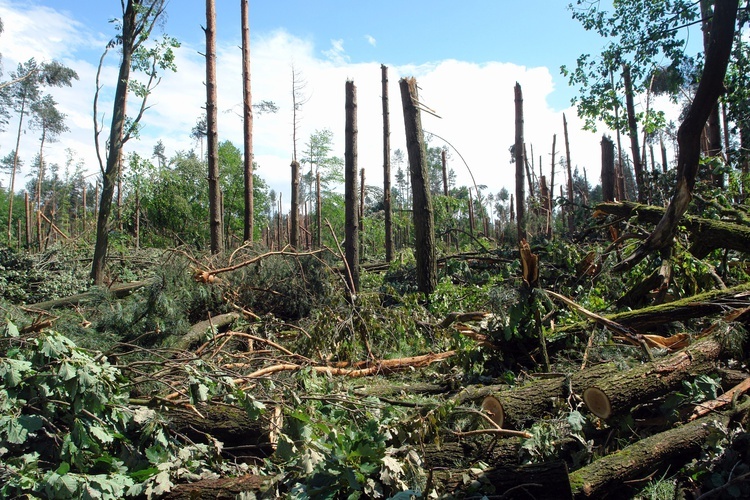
63, 468
11, 330
66, 371
100, 433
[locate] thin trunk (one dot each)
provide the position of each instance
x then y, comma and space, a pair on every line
247, 130
445, 172
551, 196
137, 219
27, 204
571, 222
520, 194
529, 172
351, 224
361, 220
663, 156
119, 192
725, 124
12, 191
633, 133
40, 176
294, 211
389, 250
621, 194
422, 211
471, 213
318, 213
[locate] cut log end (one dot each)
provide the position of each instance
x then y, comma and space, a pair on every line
597, 402
493, 408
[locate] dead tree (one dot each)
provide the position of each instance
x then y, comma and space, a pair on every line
571, 219
351, 223
389, 250
520, 194
422, 212
247, 131
294, 211
608, 169
709, 89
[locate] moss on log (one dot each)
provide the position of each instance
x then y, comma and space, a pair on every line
650, 456
226, 488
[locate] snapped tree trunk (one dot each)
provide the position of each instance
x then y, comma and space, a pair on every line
247, 130
216, 228
709, 89
519, 157
389, 248
608, 169
551, 186
351, 215
571, 219
422, 211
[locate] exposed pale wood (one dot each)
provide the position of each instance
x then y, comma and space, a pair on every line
198, 330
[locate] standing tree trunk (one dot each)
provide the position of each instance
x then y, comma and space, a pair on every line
520, 194
361, 215
633, 133
688, 136
608, 169
351, 223
389, 250
212, 136
247, 129
571, 220
444, 164
319, 212
713, 130
422, 212
294, 211
551, 200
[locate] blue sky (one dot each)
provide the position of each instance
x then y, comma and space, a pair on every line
465, 55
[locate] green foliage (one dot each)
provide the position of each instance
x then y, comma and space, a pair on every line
337, 448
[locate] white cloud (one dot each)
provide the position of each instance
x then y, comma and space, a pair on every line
475, 102
371, 40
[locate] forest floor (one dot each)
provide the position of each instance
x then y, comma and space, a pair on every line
256, 375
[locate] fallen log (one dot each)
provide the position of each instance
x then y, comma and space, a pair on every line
608, 476
197, 332
522, 406
225, 488
705, 234
118, 291
653, 318
242, 437
546, 481
464, 453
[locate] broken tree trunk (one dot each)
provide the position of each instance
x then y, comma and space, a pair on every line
706, 234
225, 488
540, 481
199, 330
119, 291
241, 435
522, 406
650, 456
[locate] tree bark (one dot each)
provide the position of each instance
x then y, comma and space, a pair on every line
318, 213
571, 219
294, 210
351, 223
519, 157
551, 186
118, 291
608, 169
633, 133
198, 331
116, 130
545, 481
422, 211
668, 450
225, 488
709, 89
389, 248
247, 129
212, 135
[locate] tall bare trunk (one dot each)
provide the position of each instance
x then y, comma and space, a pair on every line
247, 130
571, 221
551, 187
13, 172
422, 212
212, 137
389, 250
713, 129
520, 194
294, 212
319, 213
608, 169
351, 223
